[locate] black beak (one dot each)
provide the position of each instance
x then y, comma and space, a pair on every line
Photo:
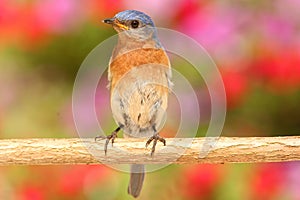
108, 21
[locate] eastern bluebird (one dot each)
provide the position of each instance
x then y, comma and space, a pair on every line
139, 76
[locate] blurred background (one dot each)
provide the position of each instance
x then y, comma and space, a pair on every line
256, 45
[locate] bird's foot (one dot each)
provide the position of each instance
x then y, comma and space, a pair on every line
155, 138
111, 137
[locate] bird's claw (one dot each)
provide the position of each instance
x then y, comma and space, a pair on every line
111, 137
100, 137
155, 138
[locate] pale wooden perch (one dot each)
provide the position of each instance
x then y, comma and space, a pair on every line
178, 150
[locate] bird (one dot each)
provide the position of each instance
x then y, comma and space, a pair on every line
139, 76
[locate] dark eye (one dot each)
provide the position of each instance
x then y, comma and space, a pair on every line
135, 24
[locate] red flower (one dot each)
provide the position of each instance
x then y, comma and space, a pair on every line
19, 23
268, 181
30, 192
104, 9
236, 84
77, 178
33, 23
200, 181
279, 69
188, 8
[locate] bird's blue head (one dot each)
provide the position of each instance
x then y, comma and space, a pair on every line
134, 24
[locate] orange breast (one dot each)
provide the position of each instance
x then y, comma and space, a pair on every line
124, 63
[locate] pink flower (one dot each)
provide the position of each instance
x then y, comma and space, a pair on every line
160, 11
288, 10
293, 180
217, 28
59, 15
274, 27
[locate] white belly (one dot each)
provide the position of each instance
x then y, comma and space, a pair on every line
139, 100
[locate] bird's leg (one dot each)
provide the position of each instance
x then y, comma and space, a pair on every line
155, 138
111, 137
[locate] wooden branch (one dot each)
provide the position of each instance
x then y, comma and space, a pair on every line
126, 151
